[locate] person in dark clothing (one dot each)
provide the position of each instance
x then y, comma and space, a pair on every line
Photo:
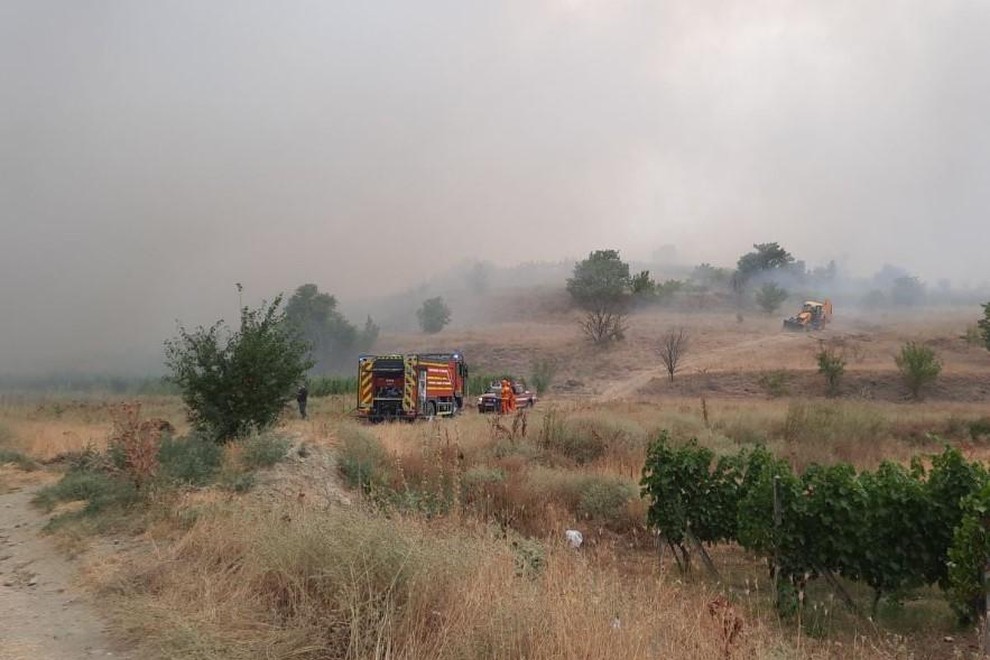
301, 397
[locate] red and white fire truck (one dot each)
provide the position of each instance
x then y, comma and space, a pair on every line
410, 386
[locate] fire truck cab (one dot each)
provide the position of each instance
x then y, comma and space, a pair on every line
410, 386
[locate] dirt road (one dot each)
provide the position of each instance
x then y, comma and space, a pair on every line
42, 615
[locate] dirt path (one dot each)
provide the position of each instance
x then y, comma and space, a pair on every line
42, 615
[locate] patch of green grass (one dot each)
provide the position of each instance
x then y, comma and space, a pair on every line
264, 450
18, 459
100, 492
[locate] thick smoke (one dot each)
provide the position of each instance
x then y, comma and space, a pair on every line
156, 153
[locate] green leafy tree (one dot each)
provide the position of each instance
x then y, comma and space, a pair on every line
764, 257
234, 382
600, 280
434, 315
332, 338
919, 366
601, 286
770, 296
984, 325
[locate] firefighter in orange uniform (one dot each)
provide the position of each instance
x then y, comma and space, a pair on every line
507, 398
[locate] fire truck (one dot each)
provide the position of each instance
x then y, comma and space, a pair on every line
410, 386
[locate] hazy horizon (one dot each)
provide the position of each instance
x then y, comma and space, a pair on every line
156, 153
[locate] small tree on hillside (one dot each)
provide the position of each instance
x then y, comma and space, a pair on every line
919, 366
832, 365
601, 286
984, 325
673, 347
770, 296
434, 315
235, 382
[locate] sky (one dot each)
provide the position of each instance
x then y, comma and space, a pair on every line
153, 153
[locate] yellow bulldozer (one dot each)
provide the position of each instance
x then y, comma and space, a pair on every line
814, 315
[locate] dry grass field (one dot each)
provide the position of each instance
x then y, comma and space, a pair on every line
446, 538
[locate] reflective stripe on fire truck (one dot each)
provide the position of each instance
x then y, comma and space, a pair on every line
409, 391
366, 384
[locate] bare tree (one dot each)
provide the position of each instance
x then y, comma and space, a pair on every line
604, 324
673, 347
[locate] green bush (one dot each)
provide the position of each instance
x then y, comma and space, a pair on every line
603, 498
919, 366
18, 459
774, 383
100, 491
192, 460
980, 428
542, 376
769, 297
264, 450
363, 460
581, 442
984, 325
236, 382
831, 365
968, 556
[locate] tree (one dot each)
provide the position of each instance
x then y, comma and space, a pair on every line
907, 291
600, 280
770, 296
236, 382
601, 286
673, 347
984, 325
642, 286
765, 257
433, 315
603, 326
331, 336
919, 366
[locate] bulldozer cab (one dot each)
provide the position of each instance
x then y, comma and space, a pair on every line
814, 315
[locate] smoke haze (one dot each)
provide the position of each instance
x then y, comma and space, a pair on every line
152, 154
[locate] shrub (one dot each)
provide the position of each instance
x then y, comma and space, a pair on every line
18, 459
542, 376
984, 325
582, 442
100, 491
192, 460
774, 383
919, 366
264, 450
236, 382
603, 498
980, 428
831, 365
363, 460
967, 557
770, 296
